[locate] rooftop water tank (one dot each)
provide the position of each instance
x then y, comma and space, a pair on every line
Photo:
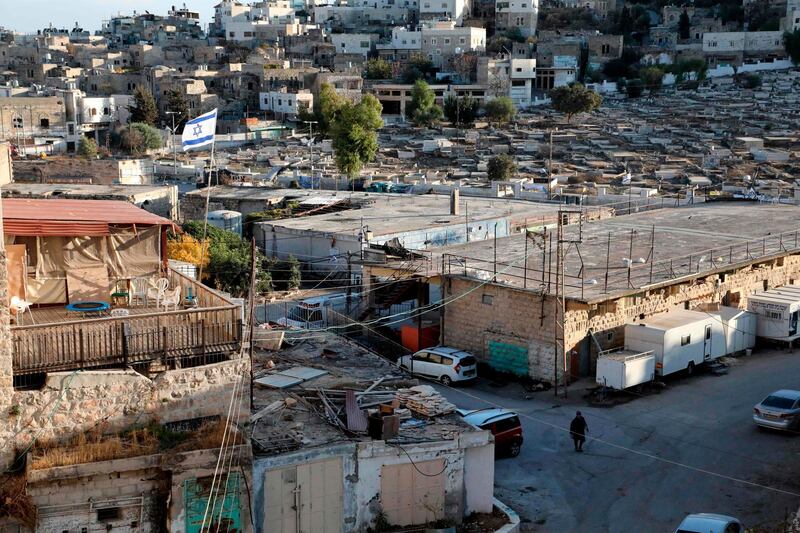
227, 220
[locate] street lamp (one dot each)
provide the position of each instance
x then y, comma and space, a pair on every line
174, 153
311, 149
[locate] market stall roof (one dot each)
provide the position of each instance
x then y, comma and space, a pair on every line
63, 217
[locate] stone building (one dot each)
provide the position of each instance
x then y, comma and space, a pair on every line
617, 271
53, 400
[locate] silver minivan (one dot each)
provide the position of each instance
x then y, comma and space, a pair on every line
441, 363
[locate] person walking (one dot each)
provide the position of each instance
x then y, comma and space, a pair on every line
577, 429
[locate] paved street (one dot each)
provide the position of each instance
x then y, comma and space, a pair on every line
703, 422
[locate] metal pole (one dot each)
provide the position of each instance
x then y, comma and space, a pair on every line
550, 169
251, 317
608, 258
525, 268
495, 252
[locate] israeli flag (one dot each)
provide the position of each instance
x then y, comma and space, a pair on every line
199, 131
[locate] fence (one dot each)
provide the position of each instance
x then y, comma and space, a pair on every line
366, 336
188, 336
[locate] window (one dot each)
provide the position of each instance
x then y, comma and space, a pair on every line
44, 123
447, 361
364, 44
462, 40
686, 339
518, 83
433, 40
487, 299
106, 111
506, 424
605, 49
446, 40
435, 358
109, 513
421, 357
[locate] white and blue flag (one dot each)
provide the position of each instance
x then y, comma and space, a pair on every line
199, 131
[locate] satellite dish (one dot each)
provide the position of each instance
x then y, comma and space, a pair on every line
458, 49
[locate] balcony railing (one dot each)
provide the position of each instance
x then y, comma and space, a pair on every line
186, 337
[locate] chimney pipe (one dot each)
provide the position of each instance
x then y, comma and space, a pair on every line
454, 202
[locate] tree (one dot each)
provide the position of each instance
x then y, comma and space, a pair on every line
377, 69
461, 111
176, 103
634, 88
422, 110
354, 134
684, 25
137, 138
791, 41
228, 260
418, 68
501, 168
652, 78
465, 65
87, 148
188, 249
750, 81
327, 106
574, 99
144, 108
500, 109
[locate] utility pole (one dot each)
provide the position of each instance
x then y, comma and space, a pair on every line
311, 149
251, 309
550, 169
349, 281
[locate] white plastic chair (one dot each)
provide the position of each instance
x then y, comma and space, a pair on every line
119, 313
171, 298
157, 290
20, 306
139, 289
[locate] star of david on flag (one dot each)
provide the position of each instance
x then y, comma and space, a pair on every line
199, 131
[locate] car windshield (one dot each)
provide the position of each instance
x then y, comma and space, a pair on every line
779, 402
467, 361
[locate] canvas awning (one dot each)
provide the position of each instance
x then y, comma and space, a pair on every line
72, 218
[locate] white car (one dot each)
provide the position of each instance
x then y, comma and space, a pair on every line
443, 364
710, 523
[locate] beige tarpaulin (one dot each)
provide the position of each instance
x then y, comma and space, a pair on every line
50, 258
134, 254
47, 291
17, 272
88, 284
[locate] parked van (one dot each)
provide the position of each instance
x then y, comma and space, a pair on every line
311, 313
441, 363
502, 423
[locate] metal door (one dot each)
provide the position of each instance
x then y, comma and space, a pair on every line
304, 498
225, 515
707, 342
413, 494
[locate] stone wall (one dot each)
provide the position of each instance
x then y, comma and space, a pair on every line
111, 400
6, 370
521, 318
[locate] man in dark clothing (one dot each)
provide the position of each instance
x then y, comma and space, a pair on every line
578, 429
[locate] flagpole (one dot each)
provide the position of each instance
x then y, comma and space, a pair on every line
203, 244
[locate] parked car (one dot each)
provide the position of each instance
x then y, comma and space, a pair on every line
779, 410
442, 364
710, 523
502, 423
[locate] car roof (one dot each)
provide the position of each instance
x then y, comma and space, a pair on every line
786, 393
446, 350
479, 417
703, 521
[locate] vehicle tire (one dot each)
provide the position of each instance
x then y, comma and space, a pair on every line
690, 368
514, 448
446, 381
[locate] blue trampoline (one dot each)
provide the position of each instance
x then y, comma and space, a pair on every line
88, 307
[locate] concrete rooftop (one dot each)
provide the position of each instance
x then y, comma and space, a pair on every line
687, 242
396, 213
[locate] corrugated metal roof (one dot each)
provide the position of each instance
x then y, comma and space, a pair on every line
24, 216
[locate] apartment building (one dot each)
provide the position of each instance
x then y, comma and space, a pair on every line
517, 14
443, 40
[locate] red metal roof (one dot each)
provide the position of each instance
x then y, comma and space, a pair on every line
38, 217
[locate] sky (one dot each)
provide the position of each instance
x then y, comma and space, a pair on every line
31, 15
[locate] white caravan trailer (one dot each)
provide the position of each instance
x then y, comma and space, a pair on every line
777, 311
739, 327
620, 369
679, 339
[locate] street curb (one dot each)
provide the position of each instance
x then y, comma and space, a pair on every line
513, 518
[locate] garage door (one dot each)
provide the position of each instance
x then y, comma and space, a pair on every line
304, 498
410, 495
